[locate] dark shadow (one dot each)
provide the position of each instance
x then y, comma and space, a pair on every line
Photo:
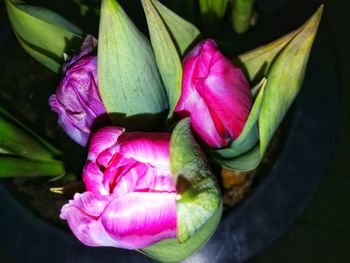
146, 122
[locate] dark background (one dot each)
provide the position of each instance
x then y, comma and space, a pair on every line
322, 232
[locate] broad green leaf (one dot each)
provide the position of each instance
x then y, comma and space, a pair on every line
43, 34
129, 82
198, 194
184, 33
170, 250
167, 57
249, 136
285, 79
29, 131
241, 14
11, 166
257, 62
18, 142
212, 10
198, 202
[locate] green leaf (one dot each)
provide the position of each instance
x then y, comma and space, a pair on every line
16, 141
24, 128
167, 57
42, 33
11, 167
129, 82
249, 136
184, 33
257, 62
245, 162
199, 204
212, 10
198, 194
285, 79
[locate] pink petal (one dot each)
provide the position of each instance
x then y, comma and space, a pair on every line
87, 227
151, 148
138, 220
192, 104
227, 94
93, 179
102, 140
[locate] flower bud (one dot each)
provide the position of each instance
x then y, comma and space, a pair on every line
77, 101
131, 198
215, 94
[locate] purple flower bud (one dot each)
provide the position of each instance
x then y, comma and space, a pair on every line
215, 94
77, 101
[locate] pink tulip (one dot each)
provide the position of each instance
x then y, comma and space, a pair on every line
77, 101
215, 94
130, 199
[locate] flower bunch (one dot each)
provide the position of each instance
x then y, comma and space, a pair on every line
156, 190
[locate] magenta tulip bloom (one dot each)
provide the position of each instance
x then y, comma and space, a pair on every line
215, 94
77, 101
130, 199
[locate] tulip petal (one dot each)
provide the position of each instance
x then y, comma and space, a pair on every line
102, 140
138, 220
192, 104
77, 100
227, 95
134, 176
87, 227
151, 148
93, 179
66, 122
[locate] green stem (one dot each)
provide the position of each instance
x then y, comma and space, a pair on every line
241, 15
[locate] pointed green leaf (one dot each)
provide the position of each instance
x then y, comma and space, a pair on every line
43, 34
198, 194
18, 142
29, 131
184, 33
249, 136
256, 62
212, 10
129, 81
167, 57
11, 167
285, 79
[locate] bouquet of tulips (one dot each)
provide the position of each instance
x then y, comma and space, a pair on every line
158, 116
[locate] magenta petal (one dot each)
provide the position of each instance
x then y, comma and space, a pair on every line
93, 179
103, 140
227, 94
192, 104
138, 220
87, 227
151, 148
215, 94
